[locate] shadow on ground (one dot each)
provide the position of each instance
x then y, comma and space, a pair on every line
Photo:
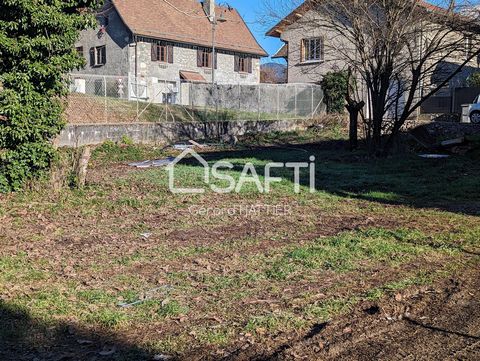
23, 338
447, 184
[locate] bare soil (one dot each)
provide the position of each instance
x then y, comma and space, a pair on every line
438, 322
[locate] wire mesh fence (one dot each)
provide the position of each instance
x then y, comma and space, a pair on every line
112, 99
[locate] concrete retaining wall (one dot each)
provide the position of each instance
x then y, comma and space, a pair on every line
164, 133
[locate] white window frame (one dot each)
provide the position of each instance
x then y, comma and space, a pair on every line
307, 48
97, 55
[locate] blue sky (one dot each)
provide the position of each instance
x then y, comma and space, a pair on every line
250, 10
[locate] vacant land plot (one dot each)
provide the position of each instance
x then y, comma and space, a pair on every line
381, 262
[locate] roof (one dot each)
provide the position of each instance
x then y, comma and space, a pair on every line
191, 76
185, 21
291, 18
301, 10
282, 52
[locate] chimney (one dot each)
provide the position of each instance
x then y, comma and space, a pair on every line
209, 8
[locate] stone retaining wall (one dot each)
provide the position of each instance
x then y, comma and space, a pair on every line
164, 133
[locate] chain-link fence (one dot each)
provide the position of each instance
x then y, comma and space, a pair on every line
112, 99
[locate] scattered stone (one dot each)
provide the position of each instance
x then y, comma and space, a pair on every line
108, 351
84, 342
162, 357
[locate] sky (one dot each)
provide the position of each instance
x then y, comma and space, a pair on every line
250, 11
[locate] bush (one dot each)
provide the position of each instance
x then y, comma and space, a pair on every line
37, 40
473, 80
335, 85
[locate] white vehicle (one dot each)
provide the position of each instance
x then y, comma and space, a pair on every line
474, 111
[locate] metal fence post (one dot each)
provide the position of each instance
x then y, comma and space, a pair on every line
129, 87
313, 109
258, 102
239, 100
215, 89
295, 89
166, 101
136, 96
278, 101
105, 98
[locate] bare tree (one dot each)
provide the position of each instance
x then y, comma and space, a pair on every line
272, 75
400, 51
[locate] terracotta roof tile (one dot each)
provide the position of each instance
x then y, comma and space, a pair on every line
185, 21
192, 76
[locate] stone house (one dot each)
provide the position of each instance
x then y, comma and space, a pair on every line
165, 43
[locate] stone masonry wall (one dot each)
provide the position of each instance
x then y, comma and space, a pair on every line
166, 133
116, 39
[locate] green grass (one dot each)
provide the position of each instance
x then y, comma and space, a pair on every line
126, 111
404, 220
342, 253
171, 309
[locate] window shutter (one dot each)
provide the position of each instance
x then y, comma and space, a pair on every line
170, 53
302, 50
154, 52
104, 55
92, 56
237, 63
322, 48
199, 57
250, 65
215, 59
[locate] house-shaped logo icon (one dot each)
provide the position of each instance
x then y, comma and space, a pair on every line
171, 173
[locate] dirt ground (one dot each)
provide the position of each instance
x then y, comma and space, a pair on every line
381, 263
438, 322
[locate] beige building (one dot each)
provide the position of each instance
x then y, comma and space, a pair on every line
310, 50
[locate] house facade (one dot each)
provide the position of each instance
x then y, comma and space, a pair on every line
310, 51
165, 42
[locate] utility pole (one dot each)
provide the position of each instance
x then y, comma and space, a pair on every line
209, 7
214, 28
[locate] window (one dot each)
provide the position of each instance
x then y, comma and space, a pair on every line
312, 49
162, 52
468, 46
243, 63
79, 50
204, 58
98, 56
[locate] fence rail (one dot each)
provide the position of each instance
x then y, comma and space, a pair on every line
111, 99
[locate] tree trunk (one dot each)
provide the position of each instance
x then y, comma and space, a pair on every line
354, 108
82, 165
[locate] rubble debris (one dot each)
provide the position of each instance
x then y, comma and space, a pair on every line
182, 146
153, 163
453, 142
434, 156
146, 296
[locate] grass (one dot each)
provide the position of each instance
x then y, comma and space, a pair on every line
374, 227
91, 109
